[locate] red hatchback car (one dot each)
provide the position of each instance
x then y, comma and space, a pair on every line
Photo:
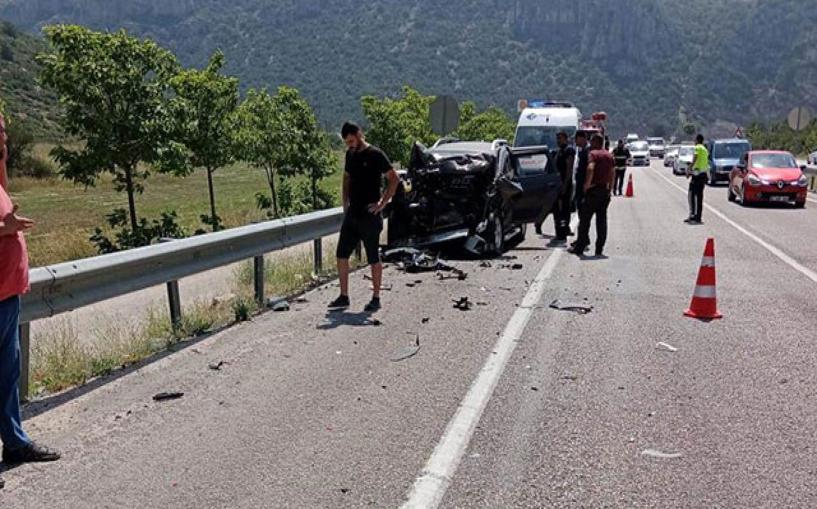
768, 176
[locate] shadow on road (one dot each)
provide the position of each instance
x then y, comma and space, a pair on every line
335, 319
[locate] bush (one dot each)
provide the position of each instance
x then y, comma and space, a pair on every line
38, 168
146, 232
19, 145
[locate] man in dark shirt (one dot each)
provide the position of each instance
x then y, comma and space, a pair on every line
621, 156
363, 203
597, 186
565, 158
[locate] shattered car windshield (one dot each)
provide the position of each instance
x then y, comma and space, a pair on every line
535, 136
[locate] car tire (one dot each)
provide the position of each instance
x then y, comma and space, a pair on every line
732, 196
518, 238
800, 205
496, 244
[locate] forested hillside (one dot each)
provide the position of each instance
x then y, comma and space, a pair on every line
652, 64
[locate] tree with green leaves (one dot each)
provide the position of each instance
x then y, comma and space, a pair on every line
115, 91
489, 125
394, 124
205, 101
280, 135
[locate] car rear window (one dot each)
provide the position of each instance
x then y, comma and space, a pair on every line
730, 150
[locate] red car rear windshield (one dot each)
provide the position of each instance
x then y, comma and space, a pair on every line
773, 161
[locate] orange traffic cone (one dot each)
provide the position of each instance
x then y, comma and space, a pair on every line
630, 187
704, 301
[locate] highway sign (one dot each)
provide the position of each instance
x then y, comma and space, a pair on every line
445, 115
799, 118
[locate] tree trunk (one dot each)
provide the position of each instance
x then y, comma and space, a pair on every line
271, 182
314, 192
212, 199
134, 224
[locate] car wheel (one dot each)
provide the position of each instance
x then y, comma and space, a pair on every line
800, 205
518, 238
496, 245
732, 196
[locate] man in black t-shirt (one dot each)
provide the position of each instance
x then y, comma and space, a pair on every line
562, 209
621, 155
363, 203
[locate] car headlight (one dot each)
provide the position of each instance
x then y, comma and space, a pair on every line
753, 180
802, 181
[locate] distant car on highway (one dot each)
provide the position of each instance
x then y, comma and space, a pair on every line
670, 155
768, 176
631, 138
723, 156
639, 153
812, 158
684, 158
657, 147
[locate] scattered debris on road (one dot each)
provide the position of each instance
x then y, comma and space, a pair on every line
165, 396
661, 455
426, 319
407, 352
216, 366
572, 378
278, 304
463, 304
567, 306
666, 346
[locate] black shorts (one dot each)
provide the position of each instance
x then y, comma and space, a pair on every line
360, 227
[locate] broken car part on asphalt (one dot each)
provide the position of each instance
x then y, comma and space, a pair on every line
566, 306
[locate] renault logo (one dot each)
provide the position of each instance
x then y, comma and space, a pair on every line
781, 184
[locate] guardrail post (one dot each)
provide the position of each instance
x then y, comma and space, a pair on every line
258, 271
317, 254
25, 349
175, 305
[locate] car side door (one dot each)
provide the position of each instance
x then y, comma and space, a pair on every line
533, 169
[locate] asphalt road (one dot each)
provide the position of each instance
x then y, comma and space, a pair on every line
510, 404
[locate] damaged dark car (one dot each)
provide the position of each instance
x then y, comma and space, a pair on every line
474, 195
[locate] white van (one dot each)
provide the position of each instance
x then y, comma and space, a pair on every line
540, 121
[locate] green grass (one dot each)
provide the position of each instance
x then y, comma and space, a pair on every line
67, 214
60, 358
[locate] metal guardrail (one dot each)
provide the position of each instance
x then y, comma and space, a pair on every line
67, 286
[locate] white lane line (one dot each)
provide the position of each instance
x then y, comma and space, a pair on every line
430, 487
788, 260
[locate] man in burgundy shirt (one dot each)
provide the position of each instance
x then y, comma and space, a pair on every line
598, 184
17, 446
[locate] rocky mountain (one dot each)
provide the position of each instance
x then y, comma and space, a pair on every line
652, 64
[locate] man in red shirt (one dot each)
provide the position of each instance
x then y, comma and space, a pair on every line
17, 446
598, 184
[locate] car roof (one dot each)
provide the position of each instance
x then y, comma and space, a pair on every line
463, 148
731, 140
755, 152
